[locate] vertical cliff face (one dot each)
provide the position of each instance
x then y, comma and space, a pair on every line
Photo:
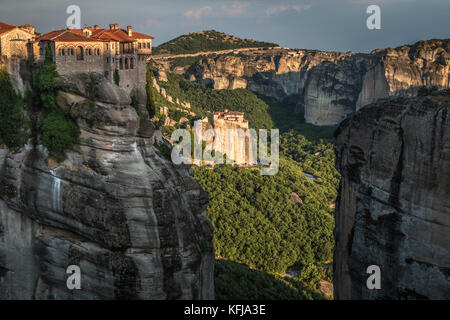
393, 208
330, 85
133, 222
401, 71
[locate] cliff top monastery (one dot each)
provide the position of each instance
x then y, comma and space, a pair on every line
90, 49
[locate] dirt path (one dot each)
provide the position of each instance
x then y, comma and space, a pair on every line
205, 53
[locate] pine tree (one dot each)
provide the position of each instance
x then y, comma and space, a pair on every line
151, 107
13, 123
116, 77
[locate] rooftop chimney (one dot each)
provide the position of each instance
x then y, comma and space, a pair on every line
130, 31
69, 27
87, 32
95, 26
116, 26
27, 27
111, 26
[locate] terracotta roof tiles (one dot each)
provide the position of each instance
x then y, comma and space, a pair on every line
65, 35
5, 27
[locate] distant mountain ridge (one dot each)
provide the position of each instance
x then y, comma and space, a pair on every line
210, 40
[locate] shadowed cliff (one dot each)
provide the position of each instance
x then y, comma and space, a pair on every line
393, 207
133, 222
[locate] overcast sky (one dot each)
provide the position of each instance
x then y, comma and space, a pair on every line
311, 24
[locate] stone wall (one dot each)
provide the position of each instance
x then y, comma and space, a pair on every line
97, 59
14, 43
235, 146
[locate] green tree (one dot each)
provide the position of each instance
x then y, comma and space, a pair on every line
13, 123
48, 82
116, 77
151, 107
58, 131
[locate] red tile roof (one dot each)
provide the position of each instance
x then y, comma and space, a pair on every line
117, 35
138, 35
5, 27
65, 35
97, 35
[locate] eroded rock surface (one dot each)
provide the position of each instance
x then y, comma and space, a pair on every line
133, 222
393, 207
330, 85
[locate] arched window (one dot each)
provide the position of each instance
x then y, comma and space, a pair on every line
63, 52
80, 53
72, 52
120, 63
126, 63
148, 45
90, 52
139, 45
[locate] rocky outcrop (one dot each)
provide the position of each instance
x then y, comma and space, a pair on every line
133, 222
330, 85
19, 72
393, 207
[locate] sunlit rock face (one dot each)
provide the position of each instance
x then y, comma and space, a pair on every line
133, 222
393, 207
329, 86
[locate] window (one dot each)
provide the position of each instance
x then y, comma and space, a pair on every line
131, 63
90, 52
148, 45
72, 52
80, 53
139, 45
126, 63
121, 63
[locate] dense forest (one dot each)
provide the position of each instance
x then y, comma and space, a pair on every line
204, 100
267, 227
209, 40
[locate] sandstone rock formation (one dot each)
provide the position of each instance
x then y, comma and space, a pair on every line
393, 207
330, 85
133, 222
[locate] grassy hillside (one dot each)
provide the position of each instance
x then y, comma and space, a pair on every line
210, 40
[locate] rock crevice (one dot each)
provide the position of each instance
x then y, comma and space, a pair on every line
393, 208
